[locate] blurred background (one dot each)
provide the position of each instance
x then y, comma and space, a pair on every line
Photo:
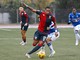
9, 13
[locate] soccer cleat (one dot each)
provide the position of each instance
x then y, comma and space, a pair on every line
52, 54
76, 44
21, 42
28, 55
24, 43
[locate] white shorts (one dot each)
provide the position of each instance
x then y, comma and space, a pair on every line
77, 27
52, 36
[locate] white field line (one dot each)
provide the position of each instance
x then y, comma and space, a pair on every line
5, 29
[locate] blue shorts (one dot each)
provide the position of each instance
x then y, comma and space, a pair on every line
24, 27
40, 36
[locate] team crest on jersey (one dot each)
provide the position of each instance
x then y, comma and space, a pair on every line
43, 14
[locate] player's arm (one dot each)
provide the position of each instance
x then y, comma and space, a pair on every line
55, 26
20, 18
69, 21
54, 20
25, 14
33, 10
79, 16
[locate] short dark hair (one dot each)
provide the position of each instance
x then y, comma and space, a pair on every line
47, 7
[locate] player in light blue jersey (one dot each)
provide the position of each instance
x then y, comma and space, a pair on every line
51, 37
74, 18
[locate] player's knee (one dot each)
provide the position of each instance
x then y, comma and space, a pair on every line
49, 43
40, 43
48, 39
76, 31
34, 44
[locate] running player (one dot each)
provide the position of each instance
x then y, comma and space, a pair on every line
41, 33
74, 18
50, 37
24, 24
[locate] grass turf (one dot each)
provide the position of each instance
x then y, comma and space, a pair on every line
10, 49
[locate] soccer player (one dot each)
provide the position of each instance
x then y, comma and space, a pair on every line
41, 33
24, 24
50, 38
74, 18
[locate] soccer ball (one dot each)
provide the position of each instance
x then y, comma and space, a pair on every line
41, 54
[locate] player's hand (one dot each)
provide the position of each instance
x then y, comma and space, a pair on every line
26, 24
25, 5
20, 22
56, 34
48, 28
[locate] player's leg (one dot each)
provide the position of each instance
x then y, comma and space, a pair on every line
49, 43
35, 43
34, 49
51, 37
77, 35
42, 49
37, 47
39, 37
23, 33
36, 38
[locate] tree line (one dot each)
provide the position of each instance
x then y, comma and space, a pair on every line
60, 6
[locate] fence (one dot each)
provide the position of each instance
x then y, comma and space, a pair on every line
12, 16
8, 16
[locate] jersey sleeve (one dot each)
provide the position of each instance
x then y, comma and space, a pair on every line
79, 15
69, 17
38, 12
53, 19
25, 14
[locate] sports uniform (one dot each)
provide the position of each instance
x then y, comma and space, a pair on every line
50, 37
51, 33
45, 21
24, 19
41, 33
75, 20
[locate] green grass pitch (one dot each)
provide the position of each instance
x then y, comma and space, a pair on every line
10, 49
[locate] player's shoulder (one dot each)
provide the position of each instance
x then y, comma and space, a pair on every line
39, 10
71, 13
52, 16
25, 12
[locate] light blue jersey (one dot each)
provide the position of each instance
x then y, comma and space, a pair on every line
74, 19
